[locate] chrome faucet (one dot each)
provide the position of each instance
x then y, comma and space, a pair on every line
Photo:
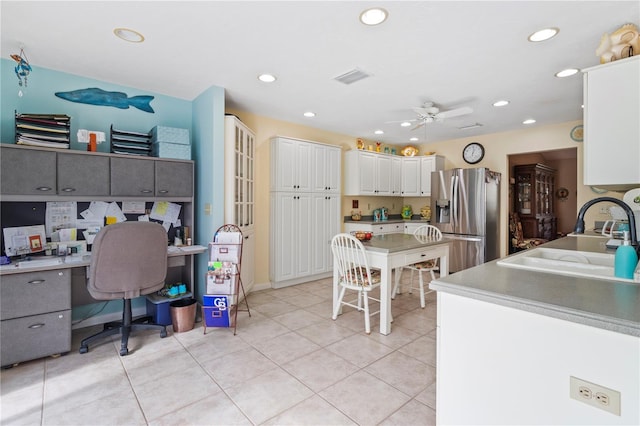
579, 228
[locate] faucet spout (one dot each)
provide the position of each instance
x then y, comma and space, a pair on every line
579, 228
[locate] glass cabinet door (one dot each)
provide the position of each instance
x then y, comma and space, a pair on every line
524, 194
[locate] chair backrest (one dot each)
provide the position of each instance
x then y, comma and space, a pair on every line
350, 258
128, 259
428, 233
515, 226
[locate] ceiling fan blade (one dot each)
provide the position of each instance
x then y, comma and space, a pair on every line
418, 126
401, 121
454, 112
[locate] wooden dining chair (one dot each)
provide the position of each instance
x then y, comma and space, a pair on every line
424, 233
354, 275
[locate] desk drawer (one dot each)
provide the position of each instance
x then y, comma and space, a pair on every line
417, 257
35, 293
34, 337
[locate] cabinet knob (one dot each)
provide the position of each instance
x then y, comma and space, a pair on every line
68, 189
44, 188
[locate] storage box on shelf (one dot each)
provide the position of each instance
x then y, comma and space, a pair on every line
130, 143
170, 142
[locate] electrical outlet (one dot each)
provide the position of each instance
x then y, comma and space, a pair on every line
595, 395
604, 210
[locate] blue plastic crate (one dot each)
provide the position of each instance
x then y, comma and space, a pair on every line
160, 312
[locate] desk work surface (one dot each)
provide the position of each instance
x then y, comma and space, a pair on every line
391, 243
41, 263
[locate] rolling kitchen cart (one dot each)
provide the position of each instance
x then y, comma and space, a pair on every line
222, 302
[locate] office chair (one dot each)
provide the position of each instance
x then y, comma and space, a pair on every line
128, 259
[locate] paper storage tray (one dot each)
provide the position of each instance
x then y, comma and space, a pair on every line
170, 135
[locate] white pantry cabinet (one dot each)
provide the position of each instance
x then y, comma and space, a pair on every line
305, 209
611, 123
239, 193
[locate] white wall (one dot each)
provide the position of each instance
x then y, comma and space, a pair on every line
499, 365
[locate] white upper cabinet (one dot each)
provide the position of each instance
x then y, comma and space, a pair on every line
326, 168
291, 160
411, 177
432, 163
368, 173
396, 176
612, 123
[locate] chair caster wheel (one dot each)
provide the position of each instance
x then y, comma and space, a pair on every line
83, 349
124, 351
163, 334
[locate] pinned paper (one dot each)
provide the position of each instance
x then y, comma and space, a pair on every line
133, 207
90, 234
165, 211
113, 211
60, 215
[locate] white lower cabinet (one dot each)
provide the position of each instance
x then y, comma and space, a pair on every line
378, 228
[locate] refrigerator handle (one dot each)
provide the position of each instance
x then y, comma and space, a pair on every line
454, 201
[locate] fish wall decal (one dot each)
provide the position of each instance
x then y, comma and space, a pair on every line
95, 96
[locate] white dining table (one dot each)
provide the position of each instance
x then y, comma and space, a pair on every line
389, 251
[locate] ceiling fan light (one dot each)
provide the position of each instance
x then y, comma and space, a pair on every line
567, 72
500, 103
544, 34
373, 16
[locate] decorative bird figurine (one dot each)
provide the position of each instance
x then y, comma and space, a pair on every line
23, 68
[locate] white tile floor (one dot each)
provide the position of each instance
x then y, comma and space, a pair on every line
289, 364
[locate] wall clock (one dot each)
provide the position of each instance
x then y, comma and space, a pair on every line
473, 153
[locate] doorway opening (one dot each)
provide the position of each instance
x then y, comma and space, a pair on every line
543, 197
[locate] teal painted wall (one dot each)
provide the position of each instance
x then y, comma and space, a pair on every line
204, 117
39, 97
208, 129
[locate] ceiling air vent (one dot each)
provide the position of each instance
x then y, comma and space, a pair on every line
352, 76
470, 126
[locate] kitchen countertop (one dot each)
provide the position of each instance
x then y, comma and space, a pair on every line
391, 243
609, 305
382, 222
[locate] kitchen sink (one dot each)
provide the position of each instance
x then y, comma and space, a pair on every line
567, 262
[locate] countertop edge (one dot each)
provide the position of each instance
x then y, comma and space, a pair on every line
559, 312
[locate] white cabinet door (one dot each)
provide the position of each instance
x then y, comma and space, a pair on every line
411, 177
326, 208
291, 231
396, 176
611, 129
326, 168
366, 166
239, 174
291, 162
432, 163
383, 174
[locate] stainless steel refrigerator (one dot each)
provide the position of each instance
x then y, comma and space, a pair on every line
465, 206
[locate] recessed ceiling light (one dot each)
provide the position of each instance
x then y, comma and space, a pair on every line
373, 16
379, 132
500, 103
543, 35
309, 114
567, 73
267, 78
405, 124
413, 139
129, 35
529, 121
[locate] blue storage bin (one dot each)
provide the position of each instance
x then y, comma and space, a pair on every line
159, 312
171, 150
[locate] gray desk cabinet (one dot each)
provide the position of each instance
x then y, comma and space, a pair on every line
27, 172
83, 174
35, 315
174, 179
132, 177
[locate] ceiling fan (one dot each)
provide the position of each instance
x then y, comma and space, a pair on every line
429, 113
